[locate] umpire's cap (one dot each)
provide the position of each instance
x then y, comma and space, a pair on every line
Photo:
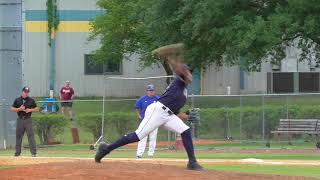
26, 89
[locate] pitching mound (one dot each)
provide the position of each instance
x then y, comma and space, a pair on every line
87, 169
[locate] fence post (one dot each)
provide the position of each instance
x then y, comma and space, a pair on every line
287, 106
288, 117
3, 124
263, 119
240, 117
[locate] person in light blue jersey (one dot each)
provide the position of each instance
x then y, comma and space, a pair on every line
140, 107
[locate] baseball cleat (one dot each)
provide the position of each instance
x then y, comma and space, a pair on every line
194, 166
101, 152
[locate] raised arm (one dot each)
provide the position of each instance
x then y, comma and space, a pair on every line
174, 55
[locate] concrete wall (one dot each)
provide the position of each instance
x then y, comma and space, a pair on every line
36, 63
216, 80
256, 82
10, 67
71, 46
291, 62
78, 5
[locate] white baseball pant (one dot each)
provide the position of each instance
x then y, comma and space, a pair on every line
156, 116
152, 143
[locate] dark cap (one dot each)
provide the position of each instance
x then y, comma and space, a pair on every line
150, 87
26, 89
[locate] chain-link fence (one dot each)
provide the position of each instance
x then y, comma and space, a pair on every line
254, 117
243, 118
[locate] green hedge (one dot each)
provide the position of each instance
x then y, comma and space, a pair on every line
115, 124
91, 123
47, 126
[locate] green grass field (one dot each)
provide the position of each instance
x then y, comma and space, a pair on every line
269, 169
82, 150
249, 144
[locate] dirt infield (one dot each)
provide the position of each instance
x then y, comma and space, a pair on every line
78, 169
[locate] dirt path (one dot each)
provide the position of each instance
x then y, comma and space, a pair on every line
6, 160
126, 169
84, 169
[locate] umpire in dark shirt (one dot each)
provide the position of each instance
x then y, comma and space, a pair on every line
24, 106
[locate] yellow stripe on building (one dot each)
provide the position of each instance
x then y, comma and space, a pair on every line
64, 26
74, 26
36, 26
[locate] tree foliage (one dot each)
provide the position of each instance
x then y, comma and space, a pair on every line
214, 31
53, 19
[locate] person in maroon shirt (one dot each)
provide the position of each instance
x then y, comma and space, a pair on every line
66, 96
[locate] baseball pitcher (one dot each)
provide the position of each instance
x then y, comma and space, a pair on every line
166, 112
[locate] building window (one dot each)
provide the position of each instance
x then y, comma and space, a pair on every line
285, 82
282, 82
91, 68
309, 82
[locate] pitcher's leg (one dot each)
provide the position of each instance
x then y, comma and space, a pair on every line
149, 123
177, 125
154, 118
